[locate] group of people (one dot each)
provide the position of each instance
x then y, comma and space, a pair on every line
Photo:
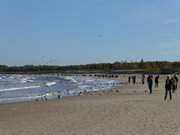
171, 84
133, 78
150, 82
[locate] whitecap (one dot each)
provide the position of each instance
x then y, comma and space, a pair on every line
22, 88
48, 84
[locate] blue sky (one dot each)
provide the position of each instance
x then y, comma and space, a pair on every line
66, 32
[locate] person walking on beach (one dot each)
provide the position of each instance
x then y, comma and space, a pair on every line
143, 79
173, 84
177, 80
134, 79
150, 83
157, 81
129, 79
168, 86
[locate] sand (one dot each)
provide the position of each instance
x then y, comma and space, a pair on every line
132, 111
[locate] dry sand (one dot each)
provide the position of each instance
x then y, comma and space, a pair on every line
128, 112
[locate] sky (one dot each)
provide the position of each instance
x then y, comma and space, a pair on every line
67, 32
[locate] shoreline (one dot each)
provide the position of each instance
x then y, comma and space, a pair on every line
58, 98
104, 84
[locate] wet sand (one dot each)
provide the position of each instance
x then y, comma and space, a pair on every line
129, 110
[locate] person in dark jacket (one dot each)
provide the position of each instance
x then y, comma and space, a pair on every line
134, 79
150, 83
129, 79
143, 78
157, 81
168, 86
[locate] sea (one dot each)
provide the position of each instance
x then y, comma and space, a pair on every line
20, 88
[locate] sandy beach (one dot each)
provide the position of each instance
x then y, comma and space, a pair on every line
128, 110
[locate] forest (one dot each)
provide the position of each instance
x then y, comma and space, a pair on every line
158, 67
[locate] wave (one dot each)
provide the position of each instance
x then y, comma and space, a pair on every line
19, 99
70, 79
25, 80
48, 84
22, 88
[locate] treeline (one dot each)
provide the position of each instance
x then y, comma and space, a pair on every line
117, 67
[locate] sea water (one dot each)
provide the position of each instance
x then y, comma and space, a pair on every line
18, 88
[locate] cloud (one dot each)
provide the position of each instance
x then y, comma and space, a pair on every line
172, 21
